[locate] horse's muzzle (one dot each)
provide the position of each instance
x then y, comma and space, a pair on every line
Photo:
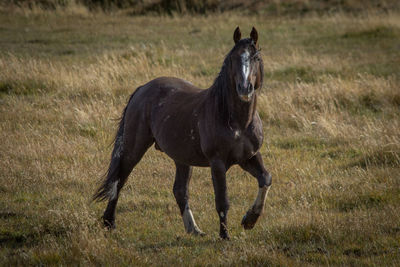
245, 94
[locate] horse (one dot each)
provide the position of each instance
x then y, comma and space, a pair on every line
216, 127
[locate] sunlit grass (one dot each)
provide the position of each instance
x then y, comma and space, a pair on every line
330, 109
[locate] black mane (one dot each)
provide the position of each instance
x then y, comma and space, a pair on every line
220, 89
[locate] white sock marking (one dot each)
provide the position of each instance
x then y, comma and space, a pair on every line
189, 222
258, 205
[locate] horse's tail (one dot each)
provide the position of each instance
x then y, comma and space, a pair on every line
108, 188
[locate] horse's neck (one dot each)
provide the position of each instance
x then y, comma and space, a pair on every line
242, 113
235, 112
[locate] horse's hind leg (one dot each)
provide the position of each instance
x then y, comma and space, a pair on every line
181, 193
135, 143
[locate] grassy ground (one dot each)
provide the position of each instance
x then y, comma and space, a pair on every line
330, 108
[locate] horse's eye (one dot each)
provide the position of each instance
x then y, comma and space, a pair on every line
256, 56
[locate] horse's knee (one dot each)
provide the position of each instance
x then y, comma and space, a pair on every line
222, 205
268, 179
265, 180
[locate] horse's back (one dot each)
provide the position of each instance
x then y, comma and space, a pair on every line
164, 85
170, 107
160, 90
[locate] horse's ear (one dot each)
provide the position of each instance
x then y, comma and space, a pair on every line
237, 35
254, 35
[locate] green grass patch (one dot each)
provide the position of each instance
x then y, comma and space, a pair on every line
300, 74
13, 239
342, 153
372, 50
306, 143
87, 130
25, 87
309, 233
379, 33
368, 103
206, 72
381, 69
358, 201
378, 37
308, 242
383, 157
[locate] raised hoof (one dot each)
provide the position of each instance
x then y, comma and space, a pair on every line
109, 224
249, 220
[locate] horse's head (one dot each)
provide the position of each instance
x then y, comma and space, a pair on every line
246, 65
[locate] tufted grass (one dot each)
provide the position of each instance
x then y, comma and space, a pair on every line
330, 108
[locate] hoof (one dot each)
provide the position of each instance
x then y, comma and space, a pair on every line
223, 232
198, 232
224, 236
109, 224
249, 220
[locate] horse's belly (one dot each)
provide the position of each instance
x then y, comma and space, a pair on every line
187, 155
181, 145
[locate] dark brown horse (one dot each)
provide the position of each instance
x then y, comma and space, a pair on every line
217, 127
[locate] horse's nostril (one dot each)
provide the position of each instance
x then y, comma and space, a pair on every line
243, 87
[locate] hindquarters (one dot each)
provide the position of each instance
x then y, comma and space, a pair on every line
163, 110
132, 140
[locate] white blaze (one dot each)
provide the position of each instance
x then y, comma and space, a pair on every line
245, 65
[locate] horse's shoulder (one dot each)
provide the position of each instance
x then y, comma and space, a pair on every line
256, 125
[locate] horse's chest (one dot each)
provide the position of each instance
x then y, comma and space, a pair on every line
232, 144
244, 145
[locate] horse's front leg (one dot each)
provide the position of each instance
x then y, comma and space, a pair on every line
181, 193
218, 172
256, 168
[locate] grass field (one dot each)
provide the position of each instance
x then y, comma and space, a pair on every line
331, 112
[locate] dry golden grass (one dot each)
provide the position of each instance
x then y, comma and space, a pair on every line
330, 109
